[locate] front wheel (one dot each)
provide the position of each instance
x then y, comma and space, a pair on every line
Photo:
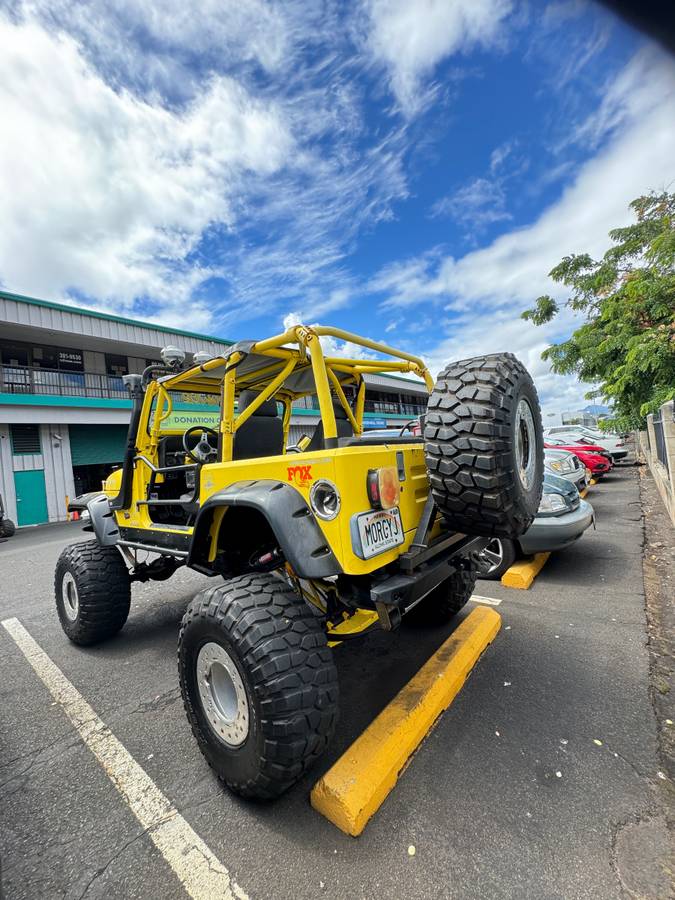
93, 592
258, 682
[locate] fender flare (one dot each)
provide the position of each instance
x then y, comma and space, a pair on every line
103, 521
301, 540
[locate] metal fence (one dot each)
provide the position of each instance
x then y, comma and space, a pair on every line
33, 380
391, 407
660, 439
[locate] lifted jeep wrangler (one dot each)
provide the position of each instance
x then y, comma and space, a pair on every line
314, 544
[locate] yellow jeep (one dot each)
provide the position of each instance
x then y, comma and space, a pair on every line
312, 544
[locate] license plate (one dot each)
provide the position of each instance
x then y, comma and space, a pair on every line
379, 531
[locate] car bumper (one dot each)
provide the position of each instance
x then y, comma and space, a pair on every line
577, 478
618, 454
549, 533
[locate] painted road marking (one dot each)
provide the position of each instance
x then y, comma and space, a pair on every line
202, 875
355, 787
485, 601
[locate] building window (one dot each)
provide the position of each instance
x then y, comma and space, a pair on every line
116, 365
70, 360
25, 439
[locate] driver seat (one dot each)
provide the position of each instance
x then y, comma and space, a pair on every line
262, 434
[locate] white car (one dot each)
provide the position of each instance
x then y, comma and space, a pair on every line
579, 434
566, 465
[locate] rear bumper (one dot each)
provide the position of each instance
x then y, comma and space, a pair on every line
549, 533
618, 454
406, 588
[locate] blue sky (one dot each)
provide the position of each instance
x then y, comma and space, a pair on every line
407, 170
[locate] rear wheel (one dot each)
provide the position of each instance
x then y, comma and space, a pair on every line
484, 446
7, 528
446, 600
258, 683
500, 554
93, 592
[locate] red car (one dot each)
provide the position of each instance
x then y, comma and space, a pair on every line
595, 458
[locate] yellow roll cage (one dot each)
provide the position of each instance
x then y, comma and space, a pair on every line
297, 349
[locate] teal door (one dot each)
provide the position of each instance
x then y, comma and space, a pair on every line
31, 497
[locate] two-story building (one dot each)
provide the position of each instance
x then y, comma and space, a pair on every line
64, 410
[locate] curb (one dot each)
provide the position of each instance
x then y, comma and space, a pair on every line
355, 787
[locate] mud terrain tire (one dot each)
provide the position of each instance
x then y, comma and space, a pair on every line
484, 446
93, 592
256, 639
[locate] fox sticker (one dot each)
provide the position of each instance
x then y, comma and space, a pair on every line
301, 476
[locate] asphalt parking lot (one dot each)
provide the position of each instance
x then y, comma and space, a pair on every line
542, 779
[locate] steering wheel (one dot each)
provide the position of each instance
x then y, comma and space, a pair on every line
203, 451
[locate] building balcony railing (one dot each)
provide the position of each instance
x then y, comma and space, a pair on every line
54, 382
382, 407
57, 383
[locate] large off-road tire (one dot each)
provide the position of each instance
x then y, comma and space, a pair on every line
484, 446
258, 682
7, 528
446, 600
93, 592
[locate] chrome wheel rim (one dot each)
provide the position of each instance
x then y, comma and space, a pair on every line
222, 694
494, 554
526, 444
70, 597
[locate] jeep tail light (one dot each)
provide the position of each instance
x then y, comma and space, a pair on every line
384, 488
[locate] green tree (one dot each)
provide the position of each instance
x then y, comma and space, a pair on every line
626, 344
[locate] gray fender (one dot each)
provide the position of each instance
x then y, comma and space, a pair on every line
103, 521
290, 518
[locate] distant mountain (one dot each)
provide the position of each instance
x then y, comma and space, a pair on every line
597, 410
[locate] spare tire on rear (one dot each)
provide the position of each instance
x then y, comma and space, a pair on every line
484, 446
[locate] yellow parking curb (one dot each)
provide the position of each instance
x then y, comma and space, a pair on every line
357, 784
583, 493
522, 574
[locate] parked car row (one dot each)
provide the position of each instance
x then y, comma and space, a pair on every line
573, 455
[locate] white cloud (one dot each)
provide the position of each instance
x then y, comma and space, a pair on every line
411, 38
107, 194
156, 45
114, 189
480, 202
487, 289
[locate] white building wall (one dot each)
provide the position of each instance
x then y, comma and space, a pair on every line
65, 414
27, 462
7, 474
58, 467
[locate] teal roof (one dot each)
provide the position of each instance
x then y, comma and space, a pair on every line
78, 310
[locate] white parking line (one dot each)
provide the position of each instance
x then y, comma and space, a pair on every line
202, 875
486, 601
